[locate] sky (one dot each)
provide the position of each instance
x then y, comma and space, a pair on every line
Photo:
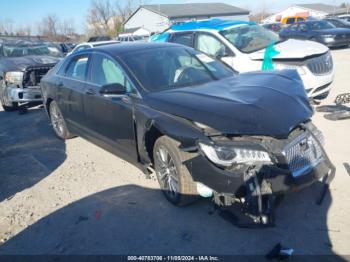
23, 12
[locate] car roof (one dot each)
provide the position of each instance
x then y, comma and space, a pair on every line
212, 24
98, 43
118, 49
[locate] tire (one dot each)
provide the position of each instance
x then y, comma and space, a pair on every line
57, 121
173, 177
6, 105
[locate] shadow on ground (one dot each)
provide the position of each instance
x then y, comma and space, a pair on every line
135, 220
29, 150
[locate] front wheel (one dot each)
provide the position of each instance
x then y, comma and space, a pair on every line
173, 177
6, 104
58, 122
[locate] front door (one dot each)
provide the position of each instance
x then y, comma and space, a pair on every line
110, 118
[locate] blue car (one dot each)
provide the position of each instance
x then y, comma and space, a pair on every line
320, 31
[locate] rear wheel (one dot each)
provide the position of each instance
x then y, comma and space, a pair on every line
58, 122
173, 177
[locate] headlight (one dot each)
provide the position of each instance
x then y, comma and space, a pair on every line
279, 66
229, 155
328, 38
14, 77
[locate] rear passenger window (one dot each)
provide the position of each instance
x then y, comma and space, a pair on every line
183, 39
77, 68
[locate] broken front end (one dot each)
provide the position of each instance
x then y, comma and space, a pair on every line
22, 87
245, 175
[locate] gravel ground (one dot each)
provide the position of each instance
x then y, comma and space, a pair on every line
72, 197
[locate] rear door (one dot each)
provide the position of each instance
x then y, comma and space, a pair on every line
110, 119
71, 85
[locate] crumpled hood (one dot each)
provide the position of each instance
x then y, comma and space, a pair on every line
21, 63
293, 48
263, 103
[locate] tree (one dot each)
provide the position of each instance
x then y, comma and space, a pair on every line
6, 26
105, 18
102, 18
49, 26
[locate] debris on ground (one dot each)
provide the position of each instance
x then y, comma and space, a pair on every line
98, 214
347, 167
279, 252
338, 111
81, 219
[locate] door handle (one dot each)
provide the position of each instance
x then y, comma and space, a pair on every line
126, 99
90, 92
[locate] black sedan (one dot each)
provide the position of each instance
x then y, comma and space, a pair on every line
318, 30
240, 139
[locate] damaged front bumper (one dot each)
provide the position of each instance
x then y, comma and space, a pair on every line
297, 162
23, 95
228, 182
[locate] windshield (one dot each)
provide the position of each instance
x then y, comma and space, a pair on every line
250, 38
168, 68
24, 49
319, 25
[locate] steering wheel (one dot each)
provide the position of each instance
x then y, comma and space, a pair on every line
186, 75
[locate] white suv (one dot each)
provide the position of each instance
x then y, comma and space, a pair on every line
242, 46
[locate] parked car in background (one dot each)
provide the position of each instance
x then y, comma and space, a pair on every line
87, 45
337, 22
239, 139
345, 17
100, 38
22, 65
242, 46
288, 20
275, 27
131, 38
64, 48
320, 31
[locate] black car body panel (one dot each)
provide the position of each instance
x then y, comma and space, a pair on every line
270, 109
247, 104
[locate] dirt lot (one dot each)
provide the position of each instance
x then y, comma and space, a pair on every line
74, 198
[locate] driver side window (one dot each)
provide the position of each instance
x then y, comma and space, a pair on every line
210, 45
106, 71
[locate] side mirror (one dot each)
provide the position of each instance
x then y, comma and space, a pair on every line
113, 89
223, 53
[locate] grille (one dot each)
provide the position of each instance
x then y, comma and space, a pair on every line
33, 75
303, 154
321, 65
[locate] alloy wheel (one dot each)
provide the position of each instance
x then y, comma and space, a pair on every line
167, 173
57, 120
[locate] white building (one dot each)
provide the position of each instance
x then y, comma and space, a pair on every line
314, 10
157, 18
